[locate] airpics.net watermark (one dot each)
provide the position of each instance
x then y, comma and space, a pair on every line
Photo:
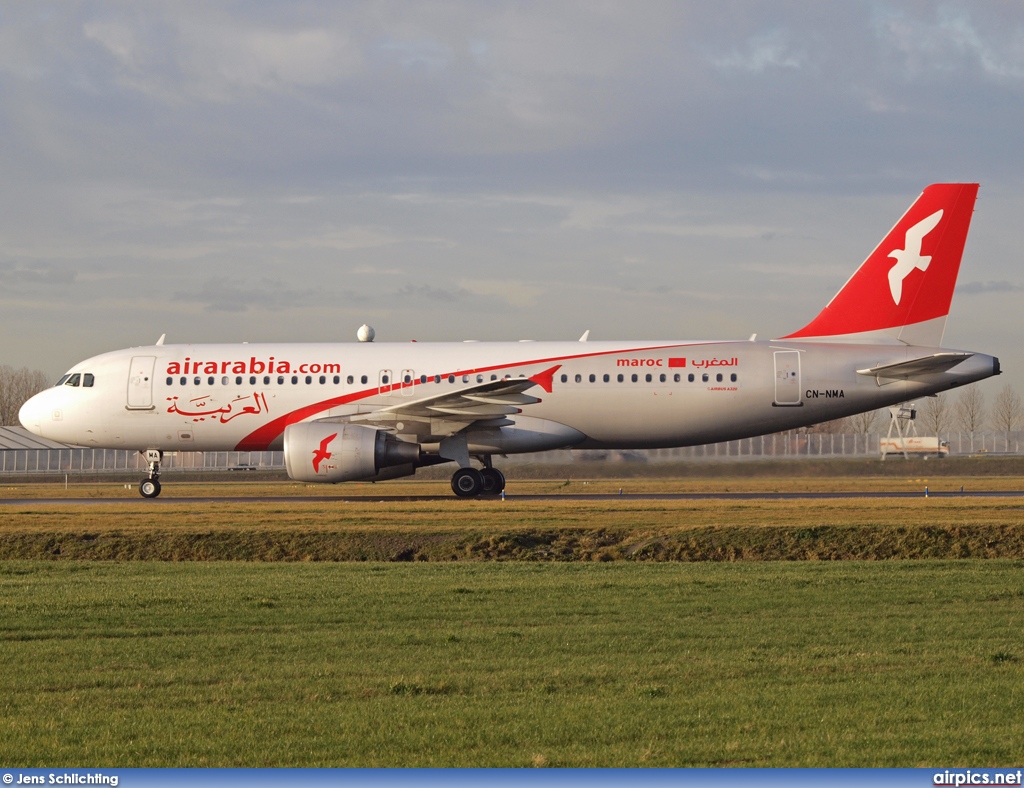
62, 778
958, 777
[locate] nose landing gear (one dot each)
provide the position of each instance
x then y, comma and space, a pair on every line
150, 486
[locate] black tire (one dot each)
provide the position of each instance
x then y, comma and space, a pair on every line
149, 488
494, 481
467, 482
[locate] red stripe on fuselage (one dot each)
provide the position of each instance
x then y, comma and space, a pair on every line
261, 438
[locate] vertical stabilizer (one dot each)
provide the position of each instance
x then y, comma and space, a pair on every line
904, 288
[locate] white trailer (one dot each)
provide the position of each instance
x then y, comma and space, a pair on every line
914, 446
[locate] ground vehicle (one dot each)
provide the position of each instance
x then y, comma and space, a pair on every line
914, 447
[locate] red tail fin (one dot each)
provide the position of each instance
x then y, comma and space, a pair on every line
904, 288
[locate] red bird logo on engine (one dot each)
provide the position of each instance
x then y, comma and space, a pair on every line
321, 454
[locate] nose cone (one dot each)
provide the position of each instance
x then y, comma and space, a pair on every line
35, 413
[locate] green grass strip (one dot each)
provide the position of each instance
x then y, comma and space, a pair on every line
896, 663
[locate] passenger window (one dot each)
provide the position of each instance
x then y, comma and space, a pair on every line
337, 379
579, 378
565, 378
494, 377
323, 379
363, 380
295, 380
198, 381
350, 380
593, 378
690, 377
676, 378
210, 381
620, 378
465, 378
437, 378
266, 380
309, 379
634, 377
479, 378
718, 377
607, 378
224, 381
451, 378
423, 379
184, 381
661, 378
252, 380
407, 379
704, 377
280, 380
732, 377
238, 380
170, 381
647, 377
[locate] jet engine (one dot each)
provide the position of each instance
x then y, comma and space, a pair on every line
324, 452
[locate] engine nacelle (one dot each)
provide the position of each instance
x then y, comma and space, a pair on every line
323, 452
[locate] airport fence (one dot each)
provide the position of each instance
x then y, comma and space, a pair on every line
777, 446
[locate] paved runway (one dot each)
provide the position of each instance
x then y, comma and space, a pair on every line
171, 500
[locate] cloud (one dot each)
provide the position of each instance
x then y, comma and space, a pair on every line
511, 291
421, 293
955, 39
770, 49
188, 164
23, 277
980, 288
220, 294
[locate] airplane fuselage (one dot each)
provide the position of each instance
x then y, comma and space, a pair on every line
610, 395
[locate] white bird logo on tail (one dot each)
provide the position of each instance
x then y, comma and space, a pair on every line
910, 257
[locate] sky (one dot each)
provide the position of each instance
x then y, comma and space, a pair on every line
489, 170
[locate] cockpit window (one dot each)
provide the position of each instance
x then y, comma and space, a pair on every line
87, 380
62, 381
74, 380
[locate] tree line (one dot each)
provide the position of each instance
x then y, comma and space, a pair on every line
16, 386
967, 411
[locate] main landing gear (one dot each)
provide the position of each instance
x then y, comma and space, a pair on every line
150, 486
470, 482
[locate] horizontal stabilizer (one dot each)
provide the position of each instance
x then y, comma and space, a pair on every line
915, 368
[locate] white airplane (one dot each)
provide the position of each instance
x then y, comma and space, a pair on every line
371, 411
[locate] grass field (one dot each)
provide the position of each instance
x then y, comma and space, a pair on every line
516, 633
753, 664
364, 528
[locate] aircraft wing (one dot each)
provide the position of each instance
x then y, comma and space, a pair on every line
449, 411
915, 368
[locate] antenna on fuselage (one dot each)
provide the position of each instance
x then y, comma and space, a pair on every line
365, 333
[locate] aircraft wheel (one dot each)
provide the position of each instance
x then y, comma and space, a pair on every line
467, 482
149, 488
494, 481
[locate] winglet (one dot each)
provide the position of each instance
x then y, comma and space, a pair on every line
545, 379
904, 288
